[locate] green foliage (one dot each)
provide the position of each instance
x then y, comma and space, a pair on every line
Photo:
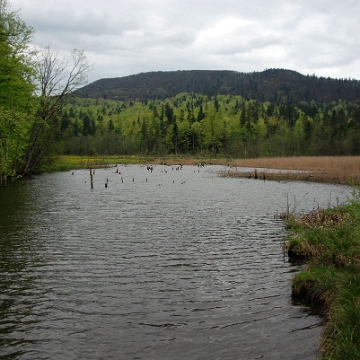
16, 89
191, 124
33, 87
13, 133
16, 65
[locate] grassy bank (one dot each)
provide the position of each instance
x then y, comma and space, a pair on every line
329, 242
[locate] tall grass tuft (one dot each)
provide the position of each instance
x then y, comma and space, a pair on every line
342, 331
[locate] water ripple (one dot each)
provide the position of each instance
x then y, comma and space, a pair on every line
173, 265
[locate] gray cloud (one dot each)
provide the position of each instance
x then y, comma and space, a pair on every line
122, 38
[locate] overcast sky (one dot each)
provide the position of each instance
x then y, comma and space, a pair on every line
125, 37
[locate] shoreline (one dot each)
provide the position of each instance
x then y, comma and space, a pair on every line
343, 170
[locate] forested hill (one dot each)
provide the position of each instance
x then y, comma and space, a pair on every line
274, 85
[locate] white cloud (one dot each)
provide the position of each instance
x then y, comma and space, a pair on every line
123, 38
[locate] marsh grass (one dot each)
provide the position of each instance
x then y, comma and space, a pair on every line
329, 169
330, 242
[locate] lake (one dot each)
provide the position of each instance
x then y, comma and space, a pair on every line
174, 263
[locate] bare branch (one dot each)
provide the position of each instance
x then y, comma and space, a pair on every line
56, 80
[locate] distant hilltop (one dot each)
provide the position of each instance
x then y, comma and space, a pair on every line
274, 85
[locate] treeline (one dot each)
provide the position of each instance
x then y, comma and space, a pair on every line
219, 125
274, 85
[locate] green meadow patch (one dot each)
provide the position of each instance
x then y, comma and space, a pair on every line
68, 162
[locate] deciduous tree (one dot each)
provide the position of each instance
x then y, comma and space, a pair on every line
16, 87
56, 80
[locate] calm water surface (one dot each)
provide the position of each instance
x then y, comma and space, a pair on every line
169, 264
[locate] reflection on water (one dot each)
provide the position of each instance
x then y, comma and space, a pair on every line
169, 264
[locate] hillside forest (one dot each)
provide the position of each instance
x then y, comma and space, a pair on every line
201, 125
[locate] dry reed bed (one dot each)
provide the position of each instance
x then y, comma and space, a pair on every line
323, 220
330, 169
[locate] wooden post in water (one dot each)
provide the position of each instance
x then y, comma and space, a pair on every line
91, 179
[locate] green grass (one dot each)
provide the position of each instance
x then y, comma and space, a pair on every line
67, 162
342, 331
330, 241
